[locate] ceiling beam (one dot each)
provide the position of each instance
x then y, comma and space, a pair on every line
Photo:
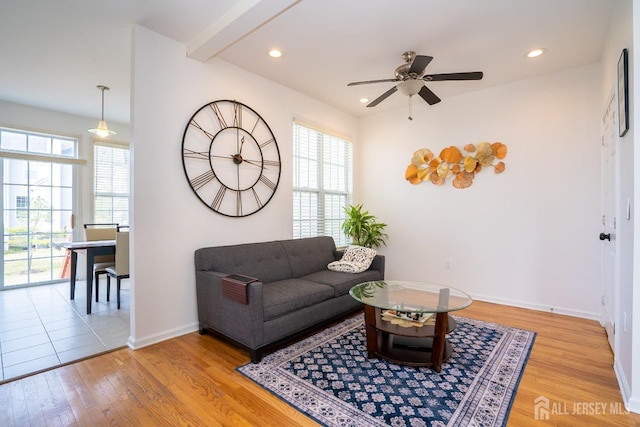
244, 18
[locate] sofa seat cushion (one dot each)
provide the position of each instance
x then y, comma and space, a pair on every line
342, 282
285, 296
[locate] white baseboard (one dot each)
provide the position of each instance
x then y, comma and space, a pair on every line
539, 307
138, 343
622, 382
631, 403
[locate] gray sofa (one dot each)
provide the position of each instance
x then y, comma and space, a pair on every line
294, 291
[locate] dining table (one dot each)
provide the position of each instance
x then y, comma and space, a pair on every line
90, 249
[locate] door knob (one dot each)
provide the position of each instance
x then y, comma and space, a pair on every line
605, 236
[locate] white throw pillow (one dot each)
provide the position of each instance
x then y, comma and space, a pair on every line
355, 259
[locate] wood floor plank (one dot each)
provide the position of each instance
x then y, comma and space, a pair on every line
192, 380
59, 412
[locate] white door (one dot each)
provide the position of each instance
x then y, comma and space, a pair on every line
608, 236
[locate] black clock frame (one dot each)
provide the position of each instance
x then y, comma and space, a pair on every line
198, 182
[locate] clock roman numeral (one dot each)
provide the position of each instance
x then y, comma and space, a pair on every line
267, 142
255, 125
238, 203
255, 195
219, 116
271, 163
217, 201
266, 181
237, 115
201, 180
197, 126
190, 154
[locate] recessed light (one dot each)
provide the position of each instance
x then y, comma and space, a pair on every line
534, 53
275, 53
364, 100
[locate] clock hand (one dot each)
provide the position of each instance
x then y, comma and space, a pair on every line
255, 163
238, 173
241, 144
237, 159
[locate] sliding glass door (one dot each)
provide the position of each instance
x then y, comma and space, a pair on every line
37, 206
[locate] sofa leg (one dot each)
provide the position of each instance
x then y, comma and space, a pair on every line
256, 356
201, 329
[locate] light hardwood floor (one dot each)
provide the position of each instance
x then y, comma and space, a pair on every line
192, 380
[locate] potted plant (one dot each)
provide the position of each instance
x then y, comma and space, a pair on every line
363, 228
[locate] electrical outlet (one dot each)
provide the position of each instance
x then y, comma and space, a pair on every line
447, 264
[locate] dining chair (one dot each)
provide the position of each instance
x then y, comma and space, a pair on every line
101, 262
121, 268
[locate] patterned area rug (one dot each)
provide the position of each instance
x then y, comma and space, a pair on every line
329, 377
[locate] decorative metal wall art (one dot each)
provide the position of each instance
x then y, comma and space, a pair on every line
452, 162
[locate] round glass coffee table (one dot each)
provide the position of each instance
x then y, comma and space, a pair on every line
407, 322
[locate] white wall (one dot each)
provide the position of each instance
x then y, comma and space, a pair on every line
168, 222
527, 237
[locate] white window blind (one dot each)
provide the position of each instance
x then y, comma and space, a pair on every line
322, 182
111, 183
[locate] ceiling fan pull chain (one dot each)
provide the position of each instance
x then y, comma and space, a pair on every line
410, 114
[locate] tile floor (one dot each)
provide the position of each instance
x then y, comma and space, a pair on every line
41, 327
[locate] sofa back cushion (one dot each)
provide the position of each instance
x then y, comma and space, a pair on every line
266, 261
310, 254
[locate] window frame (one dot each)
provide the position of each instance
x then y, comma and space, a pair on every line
333, 157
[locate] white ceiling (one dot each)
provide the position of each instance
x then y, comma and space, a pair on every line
54, 53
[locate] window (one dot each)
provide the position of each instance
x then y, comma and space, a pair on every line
22, 202
22, 206
111, 183
322, 183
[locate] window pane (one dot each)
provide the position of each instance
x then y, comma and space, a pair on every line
63, 147
13, 140
111, 184
39, 144
16, 171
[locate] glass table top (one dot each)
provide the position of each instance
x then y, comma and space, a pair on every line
409, 296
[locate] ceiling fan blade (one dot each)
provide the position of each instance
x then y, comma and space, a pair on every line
382, 97
366, 82
473, 75
428, 96
419, 63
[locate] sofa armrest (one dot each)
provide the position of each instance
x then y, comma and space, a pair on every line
241, 322
378, 264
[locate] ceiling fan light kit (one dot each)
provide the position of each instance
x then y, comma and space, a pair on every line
410, 79
102, 130
410, 87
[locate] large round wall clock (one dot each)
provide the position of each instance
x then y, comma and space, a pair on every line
231, 158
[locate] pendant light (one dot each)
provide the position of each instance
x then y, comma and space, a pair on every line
102, 130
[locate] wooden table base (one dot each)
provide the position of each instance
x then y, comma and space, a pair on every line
414, 346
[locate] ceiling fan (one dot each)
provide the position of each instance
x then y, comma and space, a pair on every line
410, 77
